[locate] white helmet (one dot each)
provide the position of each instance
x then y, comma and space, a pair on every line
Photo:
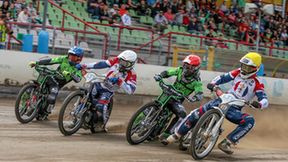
127, 59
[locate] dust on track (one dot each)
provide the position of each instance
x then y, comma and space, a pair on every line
42, 141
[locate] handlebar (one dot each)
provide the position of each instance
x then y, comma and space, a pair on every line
219, 93
45, 70
170, 90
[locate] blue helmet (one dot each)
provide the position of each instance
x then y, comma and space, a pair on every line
78, 51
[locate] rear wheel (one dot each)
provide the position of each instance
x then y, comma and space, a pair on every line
71, 113
142, 123
26, 103
202, 141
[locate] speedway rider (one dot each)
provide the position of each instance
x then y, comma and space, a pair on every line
187, 81
68, 68
245, 86
120, 74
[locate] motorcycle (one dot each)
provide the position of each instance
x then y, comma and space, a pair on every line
153, 118
77, 110
31, 100
202, 138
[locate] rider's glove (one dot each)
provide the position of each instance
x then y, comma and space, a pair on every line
81, 66
32, 63
65, 73
210, 86
113, 80
256, 104
157, 77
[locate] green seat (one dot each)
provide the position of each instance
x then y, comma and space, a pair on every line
179, 39
126, 32
175, 28
231, 45
182, 29
150, 20
143, 19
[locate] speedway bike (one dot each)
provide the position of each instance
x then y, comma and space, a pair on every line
153, 118
202, 138
31, 101
78, 110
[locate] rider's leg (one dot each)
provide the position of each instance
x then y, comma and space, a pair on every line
179, 110
190, 120
53, 92
245, 124
102, 106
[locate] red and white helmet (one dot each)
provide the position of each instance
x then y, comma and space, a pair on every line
191, 65
127, 59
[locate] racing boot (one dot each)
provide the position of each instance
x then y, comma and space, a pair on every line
225, 146
163, 136
171, 139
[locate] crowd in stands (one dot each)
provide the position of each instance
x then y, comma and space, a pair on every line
19, 11
198, 17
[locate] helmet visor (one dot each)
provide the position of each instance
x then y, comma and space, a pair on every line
126, 64
246, 69
190, 67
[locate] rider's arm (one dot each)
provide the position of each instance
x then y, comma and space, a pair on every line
103, 64
129, 84
198, 91
99, 65
261, 95
169, 72
51, 61
225, 78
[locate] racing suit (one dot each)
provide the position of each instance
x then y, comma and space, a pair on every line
102, 92
185, 85
244, 89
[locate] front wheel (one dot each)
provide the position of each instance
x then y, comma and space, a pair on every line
26, 103
202, 140
71, 113
142, 123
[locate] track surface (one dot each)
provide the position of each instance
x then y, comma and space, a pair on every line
42, 141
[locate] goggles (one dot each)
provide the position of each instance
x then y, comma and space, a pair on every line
74, 58
248, 69
125, 63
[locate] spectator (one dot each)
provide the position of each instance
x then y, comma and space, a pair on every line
174, 6
104, 13
122, 10
93, 8
114, 10
33, 13
243, 28
19, 5
131, 4
4, 29
23, 16
160, 22
165, 5
189, 5
178, 18
151, 3
5, 7
12, 13
142, 8
223, 7
193, 26
169, 16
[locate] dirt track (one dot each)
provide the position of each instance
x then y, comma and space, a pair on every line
42, 141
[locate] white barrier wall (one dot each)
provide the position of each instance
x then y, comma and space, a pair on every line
14, 66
